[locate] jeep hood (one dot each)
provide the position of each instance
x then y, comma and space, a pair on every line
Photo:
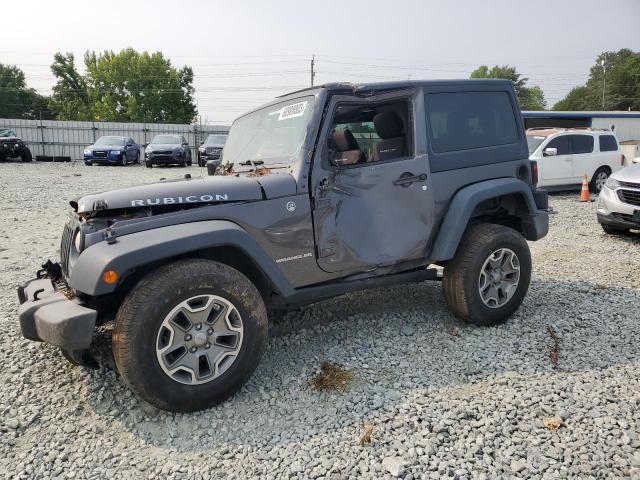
208, 190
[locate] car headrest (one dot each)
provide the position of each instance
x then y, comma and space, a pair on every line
388, 125
344, 140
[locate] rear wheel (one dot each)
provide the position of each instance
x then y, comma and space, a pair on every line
599, 179
190, 334
489, 276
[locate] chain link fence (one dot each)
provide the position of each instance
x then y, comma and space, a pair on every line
58, 140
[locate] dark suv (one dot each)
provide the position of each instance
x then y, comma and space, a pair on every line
12, 147
211, 149
326, 190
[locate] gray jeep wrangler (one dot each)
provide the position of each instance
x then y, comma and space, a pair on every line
324, 191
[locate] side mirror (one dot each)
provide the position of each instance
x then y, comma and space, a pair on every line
550, 152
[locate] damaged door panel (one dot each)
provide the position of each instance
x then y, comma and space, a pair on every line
376, 211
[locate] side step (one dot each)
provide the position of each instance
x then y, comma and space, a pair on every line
306, 295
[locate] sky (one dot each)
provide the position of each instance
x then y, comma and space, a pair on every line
244, 53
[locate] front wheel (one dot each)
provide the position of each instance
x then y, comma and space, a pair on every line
190, 334
613, 230
26, 156
599, 179
123, 162
148, 164
138, 158
489, 276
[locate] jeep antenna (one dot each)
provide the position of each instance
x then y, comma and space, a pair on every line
313, 73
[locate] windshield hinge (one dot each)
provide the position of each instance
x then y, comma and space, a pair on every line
110, 236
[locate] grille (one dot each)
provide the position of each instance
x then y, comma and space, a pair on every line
162, 152
97, 154
214, 150
630, 184
65, 247
632, 197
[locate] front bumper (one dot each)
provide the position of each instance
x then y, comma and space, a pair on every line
164, 159
47, 315
110, 158
613, 212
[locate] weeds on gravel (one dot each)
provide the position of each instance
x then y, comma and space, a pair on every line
366, 435
555, 349
552, 423
331, 378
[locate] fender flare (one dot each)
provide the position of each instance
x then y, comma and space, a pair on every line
464, 203
141, 248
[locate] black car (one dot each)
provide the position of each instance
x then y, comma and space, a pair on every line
211, 148
112, 150
168, 150
12, 147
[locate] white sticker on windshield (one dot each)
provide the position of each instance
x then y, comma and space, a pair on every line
292, 111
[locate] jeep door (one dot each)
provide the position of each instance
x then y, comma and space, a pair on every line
372, 207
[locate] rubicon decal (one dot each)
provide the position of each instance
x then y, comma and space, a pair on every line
174, 200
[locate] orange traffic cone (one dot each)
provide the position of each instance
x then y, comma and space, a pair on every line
584, 193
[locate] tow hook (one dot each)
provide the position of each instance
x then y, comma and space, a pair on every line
50, 270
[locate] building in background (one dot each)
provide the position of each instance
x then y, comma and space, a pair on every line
626, 125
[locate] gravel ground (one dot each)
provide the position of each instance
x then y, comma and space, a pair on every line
444, 399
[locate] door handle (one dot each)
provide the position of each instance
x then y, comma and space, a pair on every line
407, 179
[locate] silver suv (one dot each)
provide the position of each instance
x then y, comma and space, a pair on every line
619, 201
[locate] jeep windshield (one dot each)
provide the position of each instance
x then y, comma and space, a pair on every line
271, 136
112, 141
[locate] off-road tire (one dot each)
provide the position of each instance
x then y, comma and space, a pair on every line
613, 230
461, 276
26, 156
592, 184
141, 315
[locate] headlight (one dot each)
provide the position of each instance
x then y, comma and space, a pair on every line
87, 151
202, 149
77, 241
148, 149
115, 152
612, 183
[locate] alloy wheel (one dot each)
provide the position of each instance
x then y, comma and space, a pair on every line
499, 278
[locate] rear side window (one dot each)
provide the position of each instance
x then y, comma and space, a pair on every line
561, 144
468, 120
608, 143
581, 143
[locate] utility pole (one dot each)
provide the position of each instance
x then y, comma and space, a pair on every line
604, 77
313, 73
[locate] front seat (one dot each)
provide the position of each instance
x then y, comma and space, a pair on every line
347, 148
390, 129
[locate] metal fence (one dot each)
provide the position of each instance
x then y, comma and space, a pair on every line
59, 139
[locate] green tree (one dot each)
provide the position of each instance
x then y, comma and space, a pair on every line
70, 98
16, 99
621, 89
127, 86
529, 98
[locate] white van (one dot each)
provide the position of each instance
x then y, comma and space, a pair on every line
564, 156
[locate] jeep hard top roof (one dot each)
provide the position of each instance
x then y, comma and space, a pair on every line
366, 89
378, 87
